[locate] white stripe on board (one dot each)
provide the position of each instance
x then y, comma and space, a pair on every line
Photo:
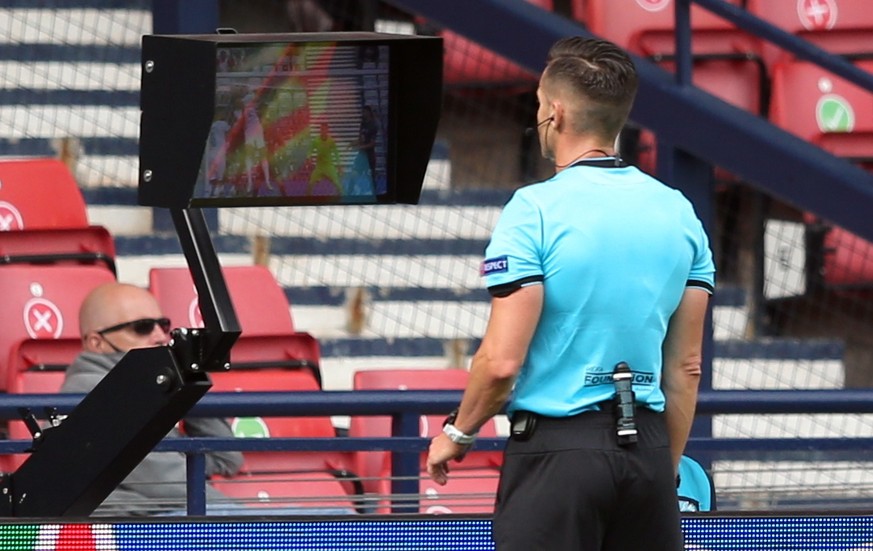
107, 171
123, 27
801, 425
122, 221
400, 319
59, 121
135, 269
51, 75
776, 374
372, 222
407, 319
438, 272
772, 481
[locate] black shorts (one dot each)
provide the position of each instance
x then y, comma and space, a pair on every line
572, 487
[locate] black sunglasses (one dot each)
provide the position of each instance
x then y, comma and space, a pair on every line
141, 327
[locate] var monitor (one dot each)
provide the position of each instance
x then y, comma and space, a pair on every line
287, 119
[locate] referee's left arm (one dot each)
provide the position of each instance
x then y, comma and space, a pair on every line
683, 352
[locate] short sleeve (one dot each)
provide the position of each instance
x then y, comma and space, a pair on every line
702, 273
513, 257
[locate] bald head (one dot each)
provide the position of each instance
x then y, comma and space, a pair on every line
112, 304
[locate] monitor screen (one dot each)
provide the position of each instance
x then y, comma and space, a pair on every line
301, 121
285, 119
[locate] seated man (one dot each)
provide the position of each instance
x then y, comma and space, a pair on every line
113, 319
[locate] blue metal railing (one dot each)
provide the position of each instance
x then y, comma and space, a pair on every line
406, 406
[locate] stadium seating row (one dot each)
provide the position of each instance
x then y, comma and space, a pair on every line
39, 337
647, 28
43, 340
742, 69
752, 74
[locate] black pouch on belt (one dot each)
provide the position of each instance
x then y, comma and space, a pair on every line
522, 426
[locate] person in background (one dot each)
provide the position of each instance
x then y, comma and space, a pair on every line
600, 280
113, 319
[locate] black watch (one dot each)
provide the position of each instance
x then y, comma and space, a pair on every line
451, 418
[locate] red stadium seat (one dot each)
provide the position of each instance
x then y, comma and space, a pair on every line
89, 245
647, 27
43, 217
280, 352
39, 193
36, 367
285, 380
28, 382
838, 26
739, 82
260, 303
39, 335
725, 61
42, 302
35, 360
473, 484
468, 65
836, 115
847, 261
826, 110
321, 492
287, 478
268, 337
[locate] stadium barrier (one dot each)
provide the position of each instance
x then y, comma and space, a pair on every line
406, 407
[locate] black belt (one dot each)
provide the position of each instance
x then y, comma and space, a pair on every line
524, 423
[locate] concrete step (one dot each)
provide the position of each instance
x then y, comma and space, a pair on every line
772, 364
318, 285
792, 485
75, 23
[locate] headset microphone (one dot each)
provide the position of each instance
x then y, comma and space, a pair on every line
531, 130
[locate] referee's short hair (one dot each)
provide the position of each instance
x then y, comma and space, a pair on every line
598, 74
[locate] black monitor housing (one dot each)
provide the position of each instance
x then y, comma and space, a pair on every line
287, 119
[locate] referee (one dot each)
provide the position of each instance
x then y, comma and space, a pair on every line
600, 280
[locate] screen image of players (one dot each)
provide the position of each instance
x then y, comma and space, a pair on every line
211, 179
298, 121
255, 147
286, 121
216, 149
247, 169
360, 177
324, 153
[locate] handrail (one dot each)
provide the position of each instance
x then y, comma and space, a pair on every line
406, 406
801, 48
397, 402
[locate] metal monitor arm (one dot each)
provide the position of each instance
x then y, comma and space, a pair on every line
75, 465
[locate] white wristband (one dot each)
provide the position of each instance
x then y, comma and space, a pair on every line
456, 436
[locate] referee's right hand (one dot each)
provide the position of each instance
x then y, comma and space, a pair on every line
441, 451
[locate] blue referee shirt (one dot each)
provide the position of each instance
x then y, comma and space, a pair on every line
614, 250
